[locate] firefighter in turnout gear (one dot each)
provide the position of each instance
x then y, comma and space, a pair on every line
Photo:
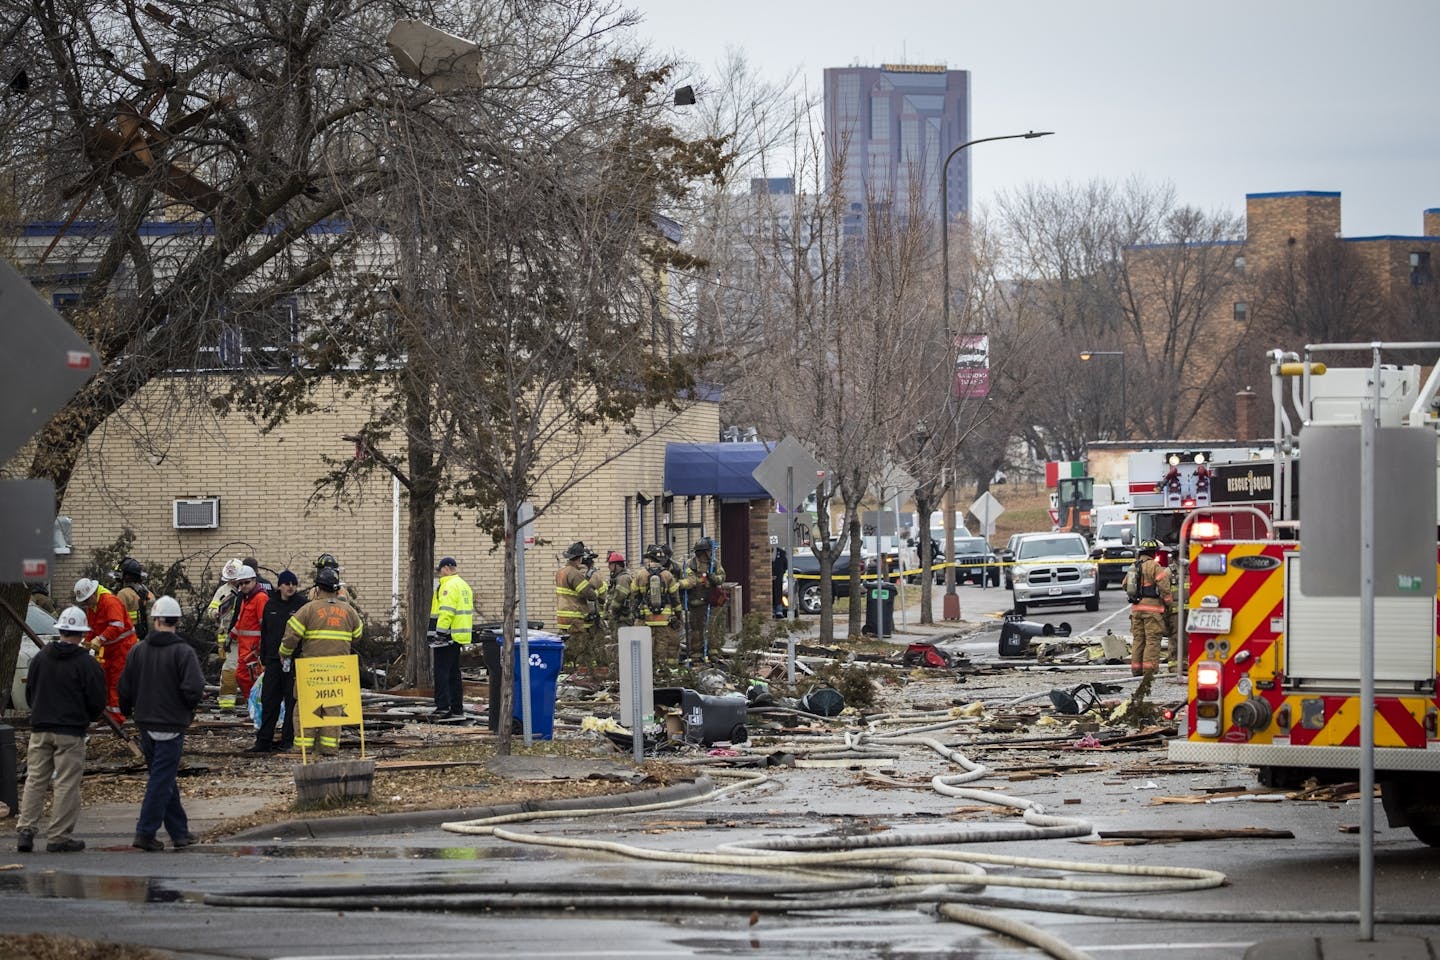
576, 592
703, 575
656, 593
346, 592
223, 608
324, 627
615, 595
135, 595
111, 634
1147, 612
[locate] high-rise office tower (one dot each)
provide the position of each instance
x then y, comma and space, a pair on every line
888, 129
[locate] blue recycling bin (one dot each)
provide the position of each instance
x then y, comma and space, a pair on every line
547, 651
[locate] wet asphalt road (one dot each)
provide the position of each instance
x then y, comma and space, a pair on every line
156, 899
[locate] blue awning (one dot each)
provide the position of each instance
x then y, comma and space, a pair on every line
715, 470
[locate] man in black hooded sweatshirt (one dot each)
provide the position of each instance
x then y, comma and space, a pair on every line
160, 688
66, 692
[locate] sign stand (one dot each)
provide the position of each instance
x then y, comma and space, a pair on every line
327, 694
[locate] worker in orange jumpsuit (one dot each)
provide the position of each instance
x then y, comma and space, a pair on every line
111, 635
245, 634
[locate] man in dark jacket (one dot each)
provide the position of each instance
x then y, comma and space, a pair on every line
160, 688
66, 692
277, 685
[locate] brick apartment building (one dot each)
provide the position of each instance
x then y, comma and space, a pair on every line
1389, 279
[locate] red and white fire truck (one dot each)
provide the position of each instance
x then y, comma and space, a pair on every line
1274, 654
1168, 484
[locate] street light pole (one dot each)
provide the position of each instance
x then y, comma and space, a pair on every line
1124, 410
945, 212
951, 608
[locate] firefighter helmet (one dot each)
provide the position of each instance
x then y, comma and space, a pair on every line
327, 560
73, 620
326, 578
131, 569
231, 570
653, 552
576, 550
1149, 546
664, 549
85, 589
166, 607
704, 545
615, 557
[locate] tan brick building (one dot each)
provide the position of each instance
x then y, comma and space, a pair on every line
1390, 279
260, 488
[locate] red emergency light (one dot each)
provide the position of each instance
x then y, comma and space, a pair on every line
1205, 530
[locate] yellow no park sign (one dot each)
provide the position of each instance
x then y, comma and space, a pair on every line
327, 691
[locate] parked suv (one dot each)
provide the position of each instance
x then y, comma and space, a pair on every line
1054, 569
1115, 542
975, 562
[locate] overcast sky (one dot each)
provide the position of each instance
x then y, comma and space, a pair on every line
1221, 99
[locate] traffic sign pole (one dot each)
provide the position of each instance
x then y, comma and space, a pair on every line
524, 519
790, 565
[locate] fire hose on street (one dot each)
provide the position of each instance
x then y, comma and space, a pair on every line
825, 873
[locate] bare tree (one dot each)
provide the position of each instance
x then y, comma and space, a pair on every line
245, 132
517, 341
1125, 267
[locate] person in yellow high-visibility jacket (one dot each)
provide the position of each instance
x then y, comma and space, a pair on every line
452, 614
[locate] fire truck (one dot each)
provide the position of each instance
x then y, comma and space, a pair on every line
1273, 648
1168, 484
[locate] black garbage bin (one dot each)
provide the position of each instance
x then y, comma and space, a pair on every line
878, 595
490, 644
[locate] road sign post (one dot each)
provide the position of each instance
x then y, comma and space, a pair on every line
787, 474
524, 536
44, 363
988, 510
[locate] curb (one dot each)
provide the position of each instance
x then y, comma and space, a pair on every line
317, 828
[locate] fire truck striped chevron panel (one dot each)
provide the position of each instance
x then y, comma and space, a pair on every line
1234, 608
1236, 651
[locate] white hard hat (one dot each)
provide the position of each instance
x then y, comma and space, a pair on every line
72, 620
166, 607
231, 570
85, 589
244, 573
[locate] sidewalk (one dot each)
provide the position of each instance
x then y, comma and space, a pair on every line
112, 825
1340, 948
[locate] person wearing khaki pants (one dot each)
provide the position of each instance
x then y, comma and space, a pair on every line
66, 691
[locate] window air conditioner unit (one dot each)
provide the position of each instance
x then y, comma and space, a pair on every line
201, 514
